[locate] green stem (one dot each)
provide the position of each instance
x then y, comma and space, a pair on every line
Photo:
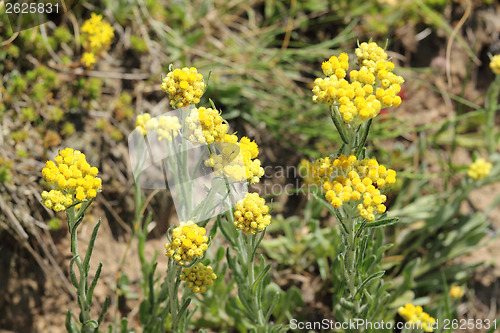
249, 241
350, 264
339, 123
171, 289
491, 109
350, 257
351, 140
365, 128
73, 222
173, 286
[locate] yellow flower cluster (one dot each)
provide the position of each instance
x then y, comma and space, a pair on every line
251, 215
480, 169
306, 170
456, 292
97, 35
495, 64
347, 178
316, 172
72, 177
140, 122
184, 86
198, 277
167, 125
415, 314
369, 54
237, 160
205, 125
164, 126
359, 180
188, 243
373, 87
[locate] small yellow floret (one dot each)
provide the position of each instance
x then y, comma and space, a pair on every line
480, 169
88, 59
495, 64
456, 292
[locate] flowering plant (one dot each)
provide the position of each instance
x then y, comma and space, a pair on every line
75, 186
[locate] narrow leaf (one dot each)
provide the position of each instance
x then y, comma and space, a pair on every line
94, 282
70, 325
181, 312
72, 274
368, 279
103, 311
275, 301
362, 142
383, 223
90, 248
331, 210
335, 118
260, 277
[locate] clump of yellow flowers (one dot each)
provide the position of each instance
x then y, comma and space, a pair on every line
198, 277
205, 125
251, 215
73, 179
479, 169
237, 160
373, 87
347, 178
415, 314
184, 86
188, 243
97, 36
495, 64
166, 127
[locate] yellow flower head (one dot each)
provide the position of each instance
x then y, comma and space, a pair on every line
306, 171
184, 86
140, 122
369, 54
373, 87
188, 243
316, 172
168, 126
480, 169
347, 178
73, 179
97, 34
415, 314
164, 126
205, 125
495, 64
456, 292
88, 59
237, 160
198, 277
252, 214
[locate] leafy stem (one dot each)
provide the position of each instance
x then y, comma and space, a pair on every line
84, 290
